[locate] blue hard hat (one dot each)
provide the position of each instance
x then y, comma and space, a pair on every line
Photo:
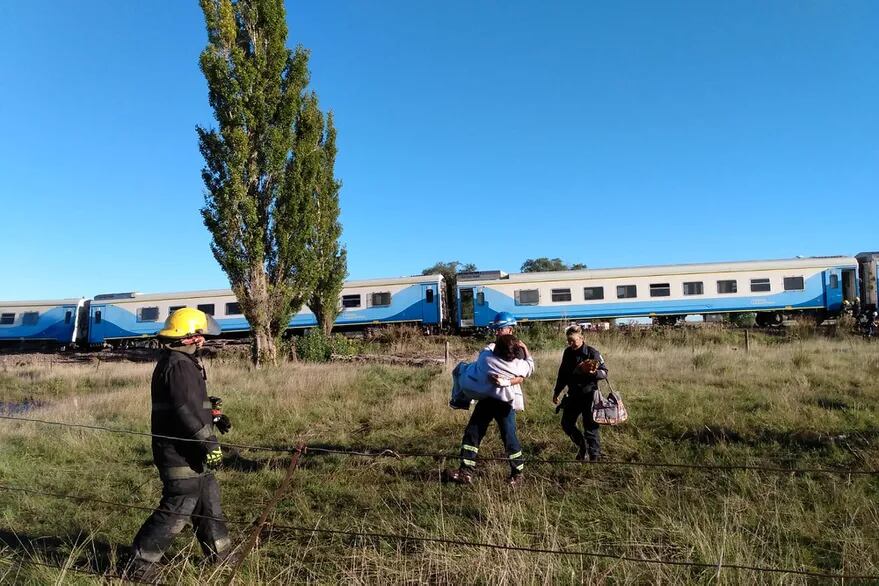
502, 320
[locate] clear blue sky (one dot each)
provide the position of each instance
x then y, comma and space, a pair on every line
611, 134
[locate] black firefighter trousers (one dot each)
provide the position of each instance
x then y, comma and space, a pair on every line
184, 501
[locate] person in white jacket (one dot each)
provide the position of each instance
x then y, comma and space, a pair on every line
495, 379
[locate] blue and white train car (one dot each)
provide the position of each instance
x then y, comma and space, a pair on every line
41, 322
772, 288
123, 317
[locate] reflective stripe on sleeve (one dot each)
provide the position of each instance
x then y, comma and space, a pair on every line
473, 449
516, 455
469, 462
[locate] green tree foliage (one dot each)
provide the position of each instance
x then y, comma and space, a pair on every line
331, 256
449, 270
544, 264
265, 163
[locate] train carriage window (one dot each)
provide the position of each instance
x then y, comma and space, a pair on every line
208, 308
559, 295
694, 288
794, 284
834, 281
527, 297
760, 285
174, 308
233, 308
591, 293
7, 319
627, 291
147, 314
381, 299
98, 316
660, 290
68, 316
480, 298
428, 296
30, 318
351, 300
727, 286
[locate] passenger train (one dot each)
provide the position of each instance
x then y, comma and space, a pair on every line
774, 289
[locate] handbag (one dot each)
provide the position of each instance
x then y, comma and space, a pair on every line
608, 410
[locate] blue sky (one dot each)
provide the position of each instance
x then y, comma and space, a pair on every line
612, 134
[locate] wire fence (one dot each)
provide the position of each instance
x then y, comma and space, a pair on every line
715, 566
400, 454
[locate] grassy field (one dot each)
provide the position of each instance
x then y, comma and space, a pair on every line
692, 397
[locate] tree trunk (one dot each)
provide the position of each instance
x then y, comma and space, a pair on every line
263, 350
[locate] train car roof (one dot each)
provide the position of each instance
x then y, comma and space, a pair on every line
661, 270
134, 296
42, 302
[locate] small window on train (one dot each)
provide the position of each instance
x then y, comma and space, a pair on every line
834, 281
590, 293
559, 295
351, 300
233, 308
693, 288
626, 291
660, 290
727, 286
382, 299
794, 284
480, 298
148, 314
174, 308
428, 296
30, 318
527, 297
68, 316
208, 308
7, 319
760, 285
98, 316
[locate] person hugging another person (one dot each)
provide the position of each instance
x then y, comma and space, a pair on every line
581, 368
495, 381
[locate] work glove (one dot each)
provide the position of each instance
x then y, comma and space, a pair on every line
214, 458
221, 421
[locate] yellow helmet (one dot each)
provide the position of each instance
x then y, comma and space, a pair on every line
188, 321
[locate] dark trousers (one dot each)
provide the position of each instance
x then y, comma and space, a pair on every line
485, 411
579, 404
181, 500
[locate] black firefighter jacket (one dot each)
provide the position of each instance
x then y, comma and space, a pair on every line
181, 409
577, 381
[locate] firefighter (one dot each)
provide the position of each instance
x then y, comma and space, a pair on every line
503, 412
182, 409
581, 368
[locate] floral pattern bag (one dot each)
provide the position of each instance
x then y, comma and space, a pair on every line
608, 410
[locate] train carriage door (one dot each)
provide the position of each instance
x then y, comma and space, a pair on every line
467, 308
95, 329
429, 304
849, 285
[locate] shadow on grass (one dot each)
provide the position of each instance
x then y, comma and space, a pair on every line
58, 550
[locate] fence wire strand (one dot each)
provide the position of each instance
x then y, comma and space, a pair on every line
389, 453
463, 543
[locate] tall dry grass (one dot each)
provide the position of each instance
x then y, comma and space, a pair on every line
804, 403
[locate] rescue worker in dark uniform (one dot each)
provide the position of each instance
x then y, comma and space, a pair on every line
489, 409
181, 409
581, 368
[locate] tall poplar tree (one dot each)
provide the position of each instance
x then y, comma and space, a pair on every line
264, 164
331, 256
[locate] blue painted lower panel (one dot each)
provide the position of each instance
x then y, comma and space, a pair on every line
51, 325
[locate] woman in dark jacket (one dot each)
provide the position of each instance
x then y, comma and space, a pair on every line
581, 368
